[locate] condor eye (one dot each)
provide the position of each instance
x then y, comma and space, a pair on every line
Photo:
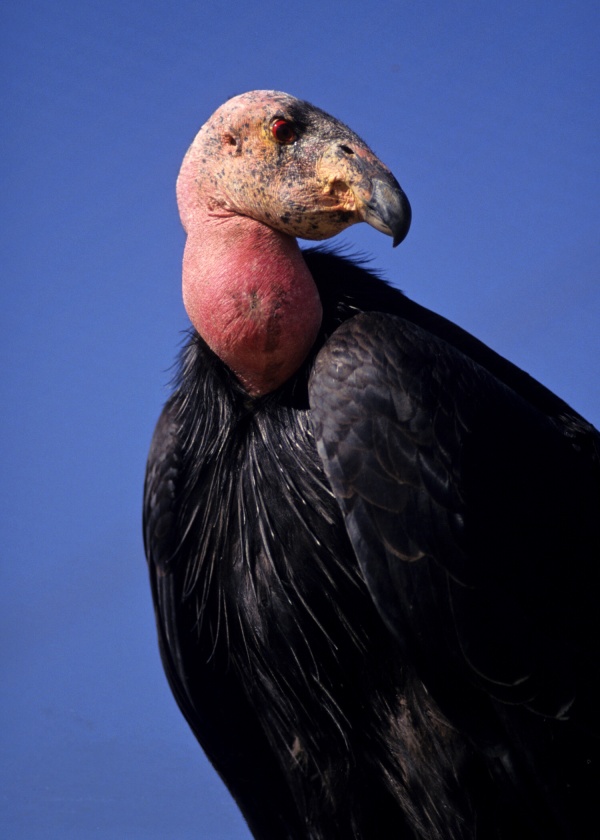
283, 132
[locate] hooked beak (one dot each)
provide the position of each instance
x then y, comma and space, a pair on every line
388, 209
367, 186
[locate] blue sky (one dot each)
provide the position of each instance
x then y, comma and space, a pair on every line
488, 115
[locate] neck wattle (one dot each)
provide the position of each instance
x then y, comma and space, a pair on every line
248, 292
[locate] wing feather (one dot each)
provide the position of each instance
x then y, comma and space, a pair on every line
473, 513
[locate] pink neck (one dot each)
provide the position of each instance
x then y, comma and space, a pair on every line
250, 295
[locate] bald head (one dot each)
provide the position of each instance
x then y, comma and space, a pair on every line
283, 162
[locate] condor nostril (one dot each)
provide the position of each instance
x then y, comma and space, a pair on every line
347, 150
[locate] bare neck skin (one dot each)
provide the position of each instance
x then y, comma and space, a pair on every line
250, 295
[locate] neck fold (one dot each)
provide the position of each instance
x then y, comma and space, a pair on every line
250, 295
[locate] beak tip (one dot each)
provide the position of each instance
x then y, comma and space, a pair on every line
389, 210
400, 230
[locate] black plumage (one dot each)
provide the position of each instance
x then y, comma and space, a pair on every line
373, 543
376, 587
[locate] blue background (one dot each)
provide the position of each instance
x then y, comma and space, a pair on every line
488, 115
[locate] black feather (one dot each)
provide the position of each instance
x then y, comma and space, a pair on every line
375, 588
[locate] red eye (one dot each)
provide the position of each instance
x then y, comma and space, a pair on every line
283, 132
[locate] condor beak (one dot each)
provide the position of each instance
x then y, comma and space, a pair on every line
370, 189
387, 209
353, 185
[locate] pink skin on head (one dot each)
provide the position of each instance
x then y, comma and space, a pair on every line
245, 192
246, 287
